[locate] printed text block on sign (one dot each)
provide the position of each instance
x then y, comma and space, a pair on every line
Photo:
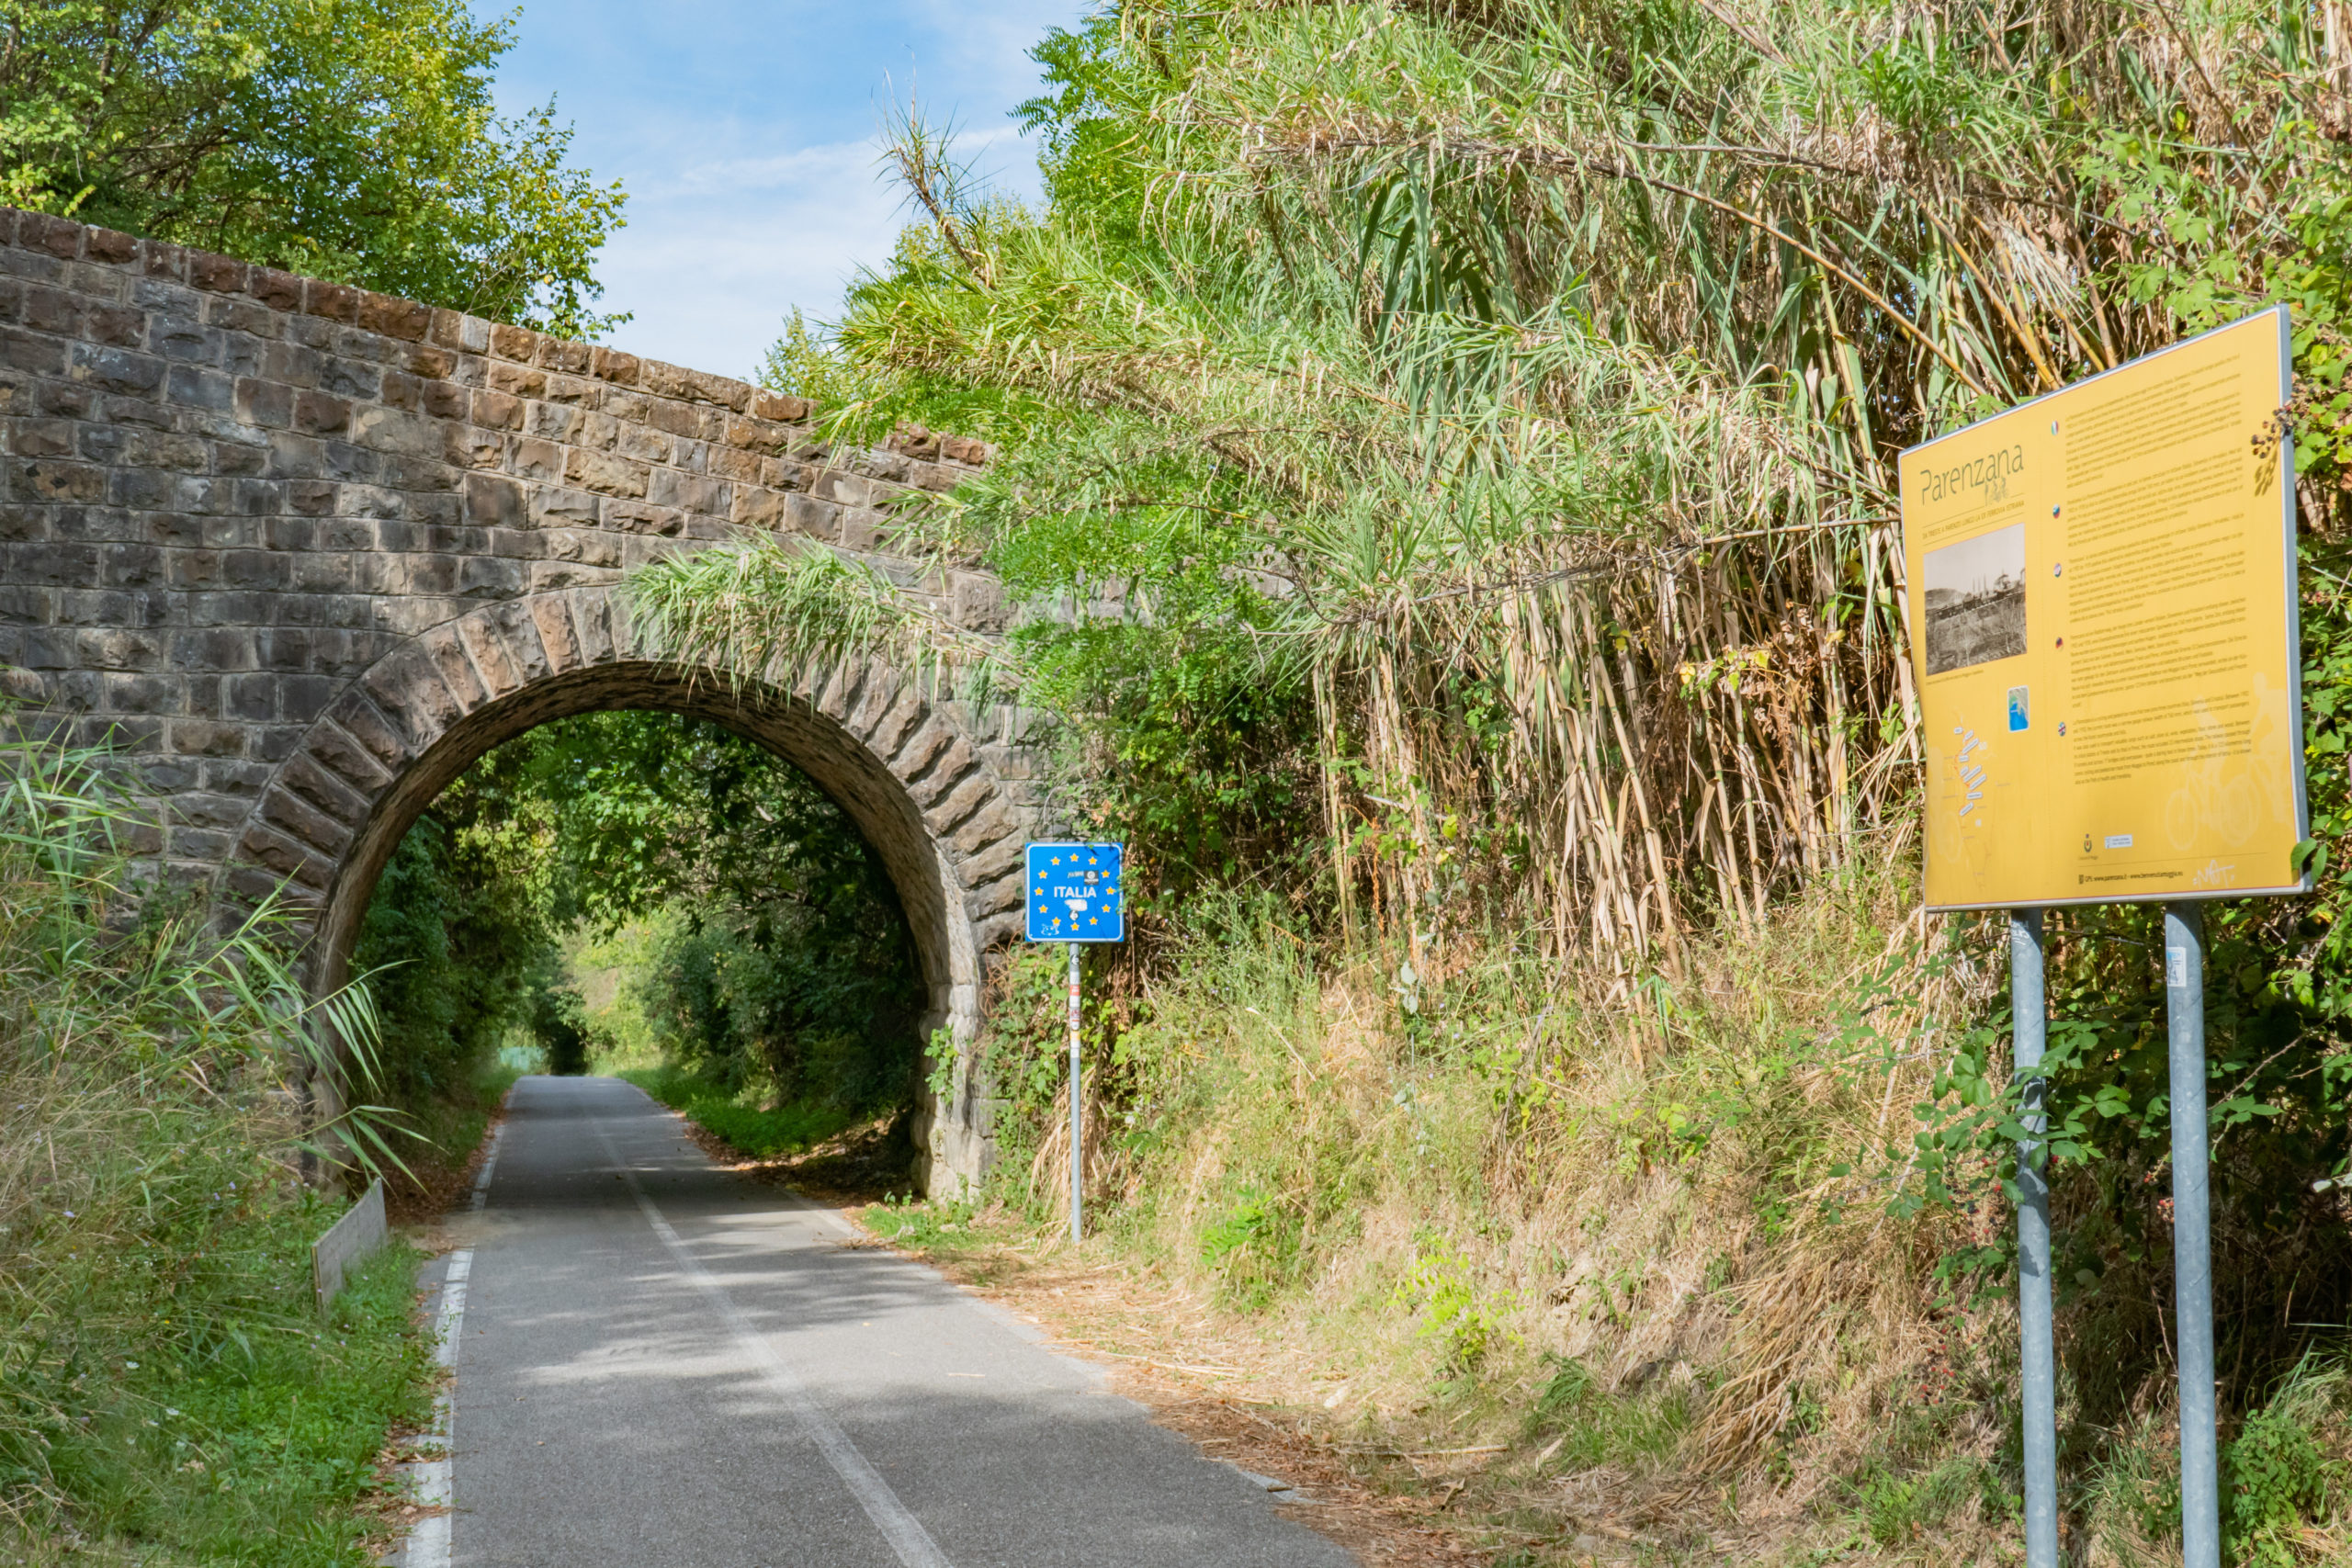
1075, 892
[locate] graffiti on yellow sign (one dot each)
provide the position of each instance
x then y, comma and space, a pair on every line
2102, 609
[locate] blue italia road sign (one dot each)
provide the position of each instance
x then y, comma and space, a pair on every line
1075, 892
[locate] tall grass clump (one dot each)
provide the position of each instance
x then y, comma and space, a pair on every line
166, 1383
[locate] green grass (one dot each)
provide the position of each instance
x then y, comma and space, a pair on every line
942, 1228
231, 1424
759, 1132
169, 1393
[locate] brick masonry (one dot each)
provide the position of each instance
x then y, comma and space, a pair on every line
305, 552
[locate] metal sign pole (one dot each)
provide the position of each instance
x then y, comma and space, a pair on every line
2192, 1239
1077, 1108
2030, 1009
1076, 895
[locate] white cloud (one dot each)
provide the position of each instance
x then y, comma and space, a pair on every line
719, 251
746, 134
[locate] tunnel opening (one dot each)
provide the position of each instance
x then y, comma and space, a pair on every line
921, 782
647, 893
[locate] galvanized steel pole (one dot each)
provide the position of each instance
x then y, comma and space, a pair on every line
2030, 1009
1077, 1107
2192, 1242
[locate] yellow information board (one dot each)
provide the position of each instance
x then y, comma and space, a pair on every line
2102, 609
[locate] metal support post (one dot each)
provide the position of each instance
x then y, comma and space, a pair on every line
1077, 1108
2030, 1009
2192, 1239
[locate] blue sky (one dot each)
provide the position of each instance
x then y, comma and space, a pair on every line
745, 134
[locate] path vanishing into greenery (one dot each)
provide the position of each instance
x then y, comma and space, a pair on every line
663, 1362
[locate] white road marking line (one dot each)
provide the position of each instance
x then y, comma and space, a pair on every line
489, 1164
905, 1533
428, 1541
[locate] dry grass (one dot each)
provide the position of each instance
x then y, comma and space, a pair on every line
1628, 1289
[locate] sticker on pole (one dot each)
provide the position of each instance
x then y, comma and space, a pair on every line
1075, 892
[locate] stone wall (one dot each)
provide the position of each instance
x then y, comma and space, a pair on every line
306, 551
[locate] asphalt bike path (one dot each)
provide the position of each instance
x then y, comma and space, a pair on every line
658, 1362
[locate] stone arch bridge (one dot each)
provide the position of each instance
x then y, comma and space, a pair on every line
308, 551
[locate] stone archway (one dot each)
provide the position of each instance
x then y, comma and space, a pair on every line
305, 551
906, 767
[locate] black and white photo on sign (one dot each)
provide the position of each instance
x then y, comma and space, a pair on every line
1976, 600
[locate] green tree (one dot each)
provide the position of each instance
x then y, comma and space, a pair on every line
351, 140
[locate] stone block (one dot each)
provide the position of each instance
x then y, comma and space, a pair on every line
977, 602
927, 743
389, 317
758, 508
406, 435
205, 809
348, 378
930, 784
27, 351
518, 631
727, 463
118, 649
838, 695
330, 301
515, 380
408, 691
263, 402
552, 507
995, 872
551, 615
498, 668
58, 237
689, 493
493, 500
638, 518
865, 529
604, 474
557, 422
321, 413
447, 655
592, 614
216, 273
281, 291
948, 814
381, 740
553, 575
642, 443
185, 338
995, 819
497, 410
118, 326
533, 459
666, 381
116, 370
490, 577
332, 746
317, 787
779, 406
575, 391
201, 387
454, 330
284, 856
